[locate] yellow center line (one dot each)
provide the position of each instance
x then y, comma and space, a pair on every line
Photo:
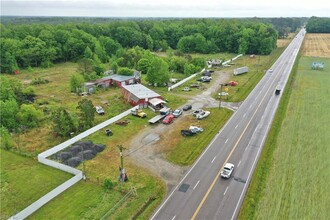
231, 152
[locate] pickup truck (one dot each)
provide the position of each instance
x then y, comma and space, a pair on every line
139, 113
227, 170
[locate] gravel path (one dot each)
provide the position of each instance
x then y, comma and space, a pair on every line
145, 150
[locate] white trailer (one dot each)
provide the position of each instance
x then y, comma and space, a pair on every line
241, 70
156, 119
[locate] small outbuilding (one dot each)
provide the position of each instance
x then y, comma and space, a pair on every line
138, 94
157, 103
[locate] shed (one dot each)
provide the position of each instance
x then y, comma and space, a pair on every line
138, 94
156, 103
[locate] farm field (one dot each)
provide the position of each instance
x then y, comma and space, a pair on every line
291, 179
316, 45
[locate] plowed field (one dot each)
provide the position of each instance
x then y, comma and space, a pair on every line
316, 45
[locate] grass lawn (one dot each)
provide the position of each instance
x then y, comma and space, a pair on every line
292, 175
88, 200
23, 181
185, 150
246, 82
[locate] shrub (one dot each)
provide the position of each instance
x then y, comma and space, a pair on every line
108, 184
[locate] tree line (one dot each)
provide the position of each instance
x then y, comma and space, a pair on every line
318, 25
31, 45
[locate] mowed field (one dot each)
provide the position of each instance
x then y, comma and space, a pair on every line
292, 177
296, 187
316, 45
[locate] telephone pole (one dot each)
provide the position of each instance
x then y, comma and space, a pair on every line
220, 95
122, 175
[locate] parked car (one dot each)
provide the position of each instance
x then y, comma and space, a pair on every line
99, 110
206, 73
177, 113
203, 114
227, 170
168, 119
108, 132
197, 111
186, 107
270, 70
187, 133
196, 129
206, 78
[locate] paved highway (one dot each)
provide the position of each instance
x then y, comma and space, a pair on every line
202, 194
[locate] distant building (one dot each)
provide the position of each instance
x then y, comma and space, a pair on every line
138, 94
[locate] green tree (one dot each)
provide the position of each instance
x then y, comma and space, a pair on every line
63, 122
85, 65
29, 116
5, 139
9, 110
158, 73
88, 54
189, 69
76, 82
114, 67
125, 71
143, 65
86, 114
98, 67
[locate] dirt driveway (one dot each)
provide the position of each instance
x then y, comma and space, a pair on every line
146, 148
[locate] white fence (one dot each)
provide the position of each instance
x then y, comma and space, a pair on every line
183, 81
228, 61
42, 158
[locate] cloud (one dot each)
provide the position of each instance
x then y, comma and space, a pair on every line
162, 8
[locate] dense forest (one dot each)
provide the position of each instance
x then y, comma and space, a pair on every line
31, 45
318, 25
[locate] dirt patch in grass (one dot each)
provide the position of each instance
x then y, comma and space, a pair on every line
316, 45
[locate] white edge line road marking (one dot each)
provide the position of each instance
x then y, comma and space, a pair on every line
239, 163
173, 217
213, 159
196, 184
225, 191
200, 157
252, 168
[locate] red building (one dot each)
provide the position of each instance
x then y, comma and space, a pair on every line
138, 94
113, 80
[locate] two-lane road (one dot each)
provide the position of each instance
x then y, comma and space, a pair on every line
202, 194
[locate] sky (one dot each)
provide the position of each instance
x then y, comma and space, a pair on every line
167, 8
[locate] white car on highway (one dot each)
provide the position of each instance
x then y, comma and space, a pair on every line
227, 170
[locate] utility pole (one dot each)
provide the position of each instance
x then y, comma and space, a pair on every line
122, 175
220, 95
